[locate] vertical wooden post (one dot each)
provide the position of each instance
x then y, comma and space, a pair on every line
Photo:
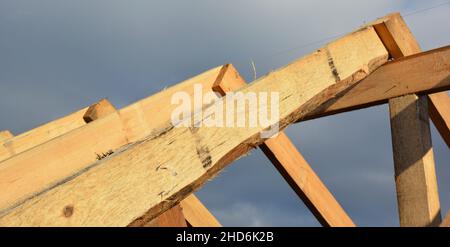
417, 190
294, 168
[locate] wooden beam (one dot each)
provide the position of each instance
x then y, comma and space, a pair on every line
423, 73
76, 150
446, 221
415, 177
173, 217
5, 135
196, 214
163, 168
48, 131
98, 110
295, 169
440, 114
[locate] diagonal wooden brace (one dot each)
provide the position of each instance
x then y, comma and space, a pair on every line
294, 168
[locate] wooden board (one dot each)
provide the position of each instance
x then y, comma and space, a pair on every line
4, 135
46, 132
98, 110
295, 169
196, 214
415, 176
423, 73
173, 217
440, 114
159, 171
446, 221
76, 150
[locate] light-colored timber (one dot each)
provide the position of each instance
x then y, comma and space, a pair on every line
415, 176
440, 114
162, 169
196, 214
5, 135
296, 170
446, 221
85, 145
173, 217
48, 131
423, 73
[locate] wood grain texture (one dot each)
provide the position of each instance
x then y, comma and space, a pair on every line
295, 169
74, 151
423, 73
4, 135
44, 133
196, 214
417, 190
162, 169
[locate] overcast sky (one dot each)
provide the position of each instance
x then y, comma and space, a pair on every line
59, 56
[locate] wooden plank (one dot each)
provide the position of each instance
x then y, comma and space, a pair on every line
98, 110
415, 177
440, 114
46, 132
423, 73
162, 169
173, 217
295, 169
446, 221
196, 214
5, 135
76, 150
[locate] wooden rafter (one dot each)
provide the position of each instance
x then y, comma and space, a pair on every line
48, 131
173, 217
196, 214
439, 113
91, 141
295, 169
423, 73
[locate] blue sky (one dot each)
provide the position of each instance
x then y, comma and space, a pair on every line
59, 56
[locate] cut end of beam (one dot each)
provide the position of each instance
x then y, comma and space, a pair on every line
98, 110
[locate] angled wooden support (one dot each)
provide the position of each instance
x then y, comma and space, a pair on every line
446, 221
415, 177
160, 170
440, 114
196, 214
173, 217
4, 135
190, 212
295, 169
53, 129
423, 73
